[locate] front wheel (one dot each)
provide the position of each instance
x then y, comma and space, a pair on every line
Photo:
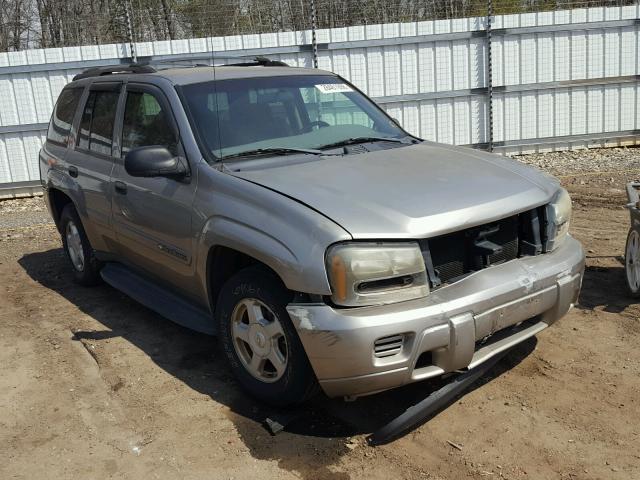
632, 262
259, 340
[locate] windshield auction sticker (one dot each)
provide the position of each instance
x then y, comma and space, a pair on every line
334, 88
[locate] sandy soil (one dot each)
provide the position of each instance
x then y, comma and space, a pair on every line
93, 385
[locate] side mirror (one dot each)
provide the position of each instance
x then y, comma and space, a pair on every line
153, 161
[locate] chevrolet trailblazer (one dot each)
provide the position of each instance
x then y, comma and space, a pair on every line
284, 211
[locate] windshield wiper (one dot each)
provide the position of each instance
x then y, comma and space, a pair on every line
355, 140
274, 151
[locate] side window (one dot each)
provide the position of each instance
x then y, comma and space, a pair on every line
62, 117
98, 119
85, 122
145, 123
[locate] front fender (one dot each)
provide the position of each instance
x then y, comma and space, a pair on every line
280, 232
263, 246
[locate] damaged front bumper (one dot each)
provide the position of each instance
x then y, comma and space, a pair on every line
456, 327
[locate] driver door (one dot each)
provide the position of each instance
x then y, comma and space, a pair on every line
152, 216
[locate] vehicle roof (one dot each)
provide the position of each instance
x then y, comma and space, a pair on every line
185, 75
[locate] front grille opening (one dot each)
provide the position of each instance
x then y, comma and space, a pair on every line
452, 256
385, 284
424, 360
388, 346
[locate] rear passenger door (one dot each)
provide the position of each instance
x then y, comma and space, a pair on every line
153, 215
91, 161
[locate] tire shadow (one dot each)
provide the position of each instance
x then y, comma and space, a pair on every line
319, 430
605, 287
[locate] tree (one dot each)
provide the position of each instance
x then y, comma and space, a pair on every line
57, 23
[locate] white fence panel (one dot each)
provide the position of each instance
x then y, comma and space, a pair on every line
560, 79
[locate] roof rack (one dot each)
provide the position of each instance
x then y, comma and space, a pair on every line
111, 69
167, 64
258, 62
147, 68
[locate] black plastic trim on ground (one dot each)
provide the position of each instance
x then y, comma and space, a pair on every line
421, 412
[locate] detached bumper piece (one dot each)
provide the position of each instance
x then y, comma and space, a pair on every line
416, 415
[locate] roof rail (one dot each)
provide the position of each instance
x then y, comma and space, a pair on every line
258, 62
168, 63
124, 68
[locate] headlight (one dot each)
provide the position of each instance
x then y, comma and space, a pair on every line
558, 218
376, 273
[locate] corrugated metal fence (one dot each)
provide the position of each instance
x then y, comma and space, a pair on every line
560, 79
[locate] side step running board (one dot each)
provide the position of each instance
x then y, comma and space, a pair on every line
422, 411
157, 298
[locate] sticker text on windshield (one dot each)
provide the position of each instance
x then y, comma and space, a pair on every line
334, 88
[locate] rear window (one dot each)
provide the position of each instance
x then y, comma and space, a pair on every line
98, 119
62, 117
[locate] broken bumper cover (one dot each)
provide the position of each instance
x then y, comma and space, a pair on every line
502, 305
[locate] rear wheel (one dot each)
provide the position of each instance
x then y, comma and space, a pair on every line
260, 341
85, 266
632, 262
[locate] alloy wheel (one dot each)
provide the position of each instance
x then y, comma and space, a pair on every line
259, 340
74, 246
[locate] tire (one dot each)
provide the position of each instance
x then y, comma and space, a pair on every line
632, 263
84, 265
268, 334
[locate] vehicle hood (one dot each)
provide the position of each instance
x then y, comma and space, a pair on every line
416, 191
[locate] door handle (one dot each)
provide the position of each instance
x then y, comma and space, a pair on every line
73, 171
121, 187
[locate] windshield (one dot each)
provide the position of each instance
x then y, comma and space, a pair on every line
298, 112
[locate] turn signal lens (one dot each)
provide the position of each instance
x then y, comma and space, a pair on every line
339, 276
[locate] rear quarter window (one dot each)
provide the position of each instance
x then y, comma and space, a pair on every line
62, 118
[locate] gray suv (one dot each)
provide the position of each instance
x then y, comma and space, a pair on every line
282, 210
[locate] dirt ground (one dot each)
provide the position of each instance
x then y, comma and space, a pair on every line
92, 385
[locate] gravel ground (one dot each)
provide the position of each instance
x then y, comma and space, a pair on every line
588, 162
23, 212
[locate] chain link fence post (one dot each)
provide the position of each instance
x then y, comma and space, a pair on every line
132, 46
489, 78
314, 43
